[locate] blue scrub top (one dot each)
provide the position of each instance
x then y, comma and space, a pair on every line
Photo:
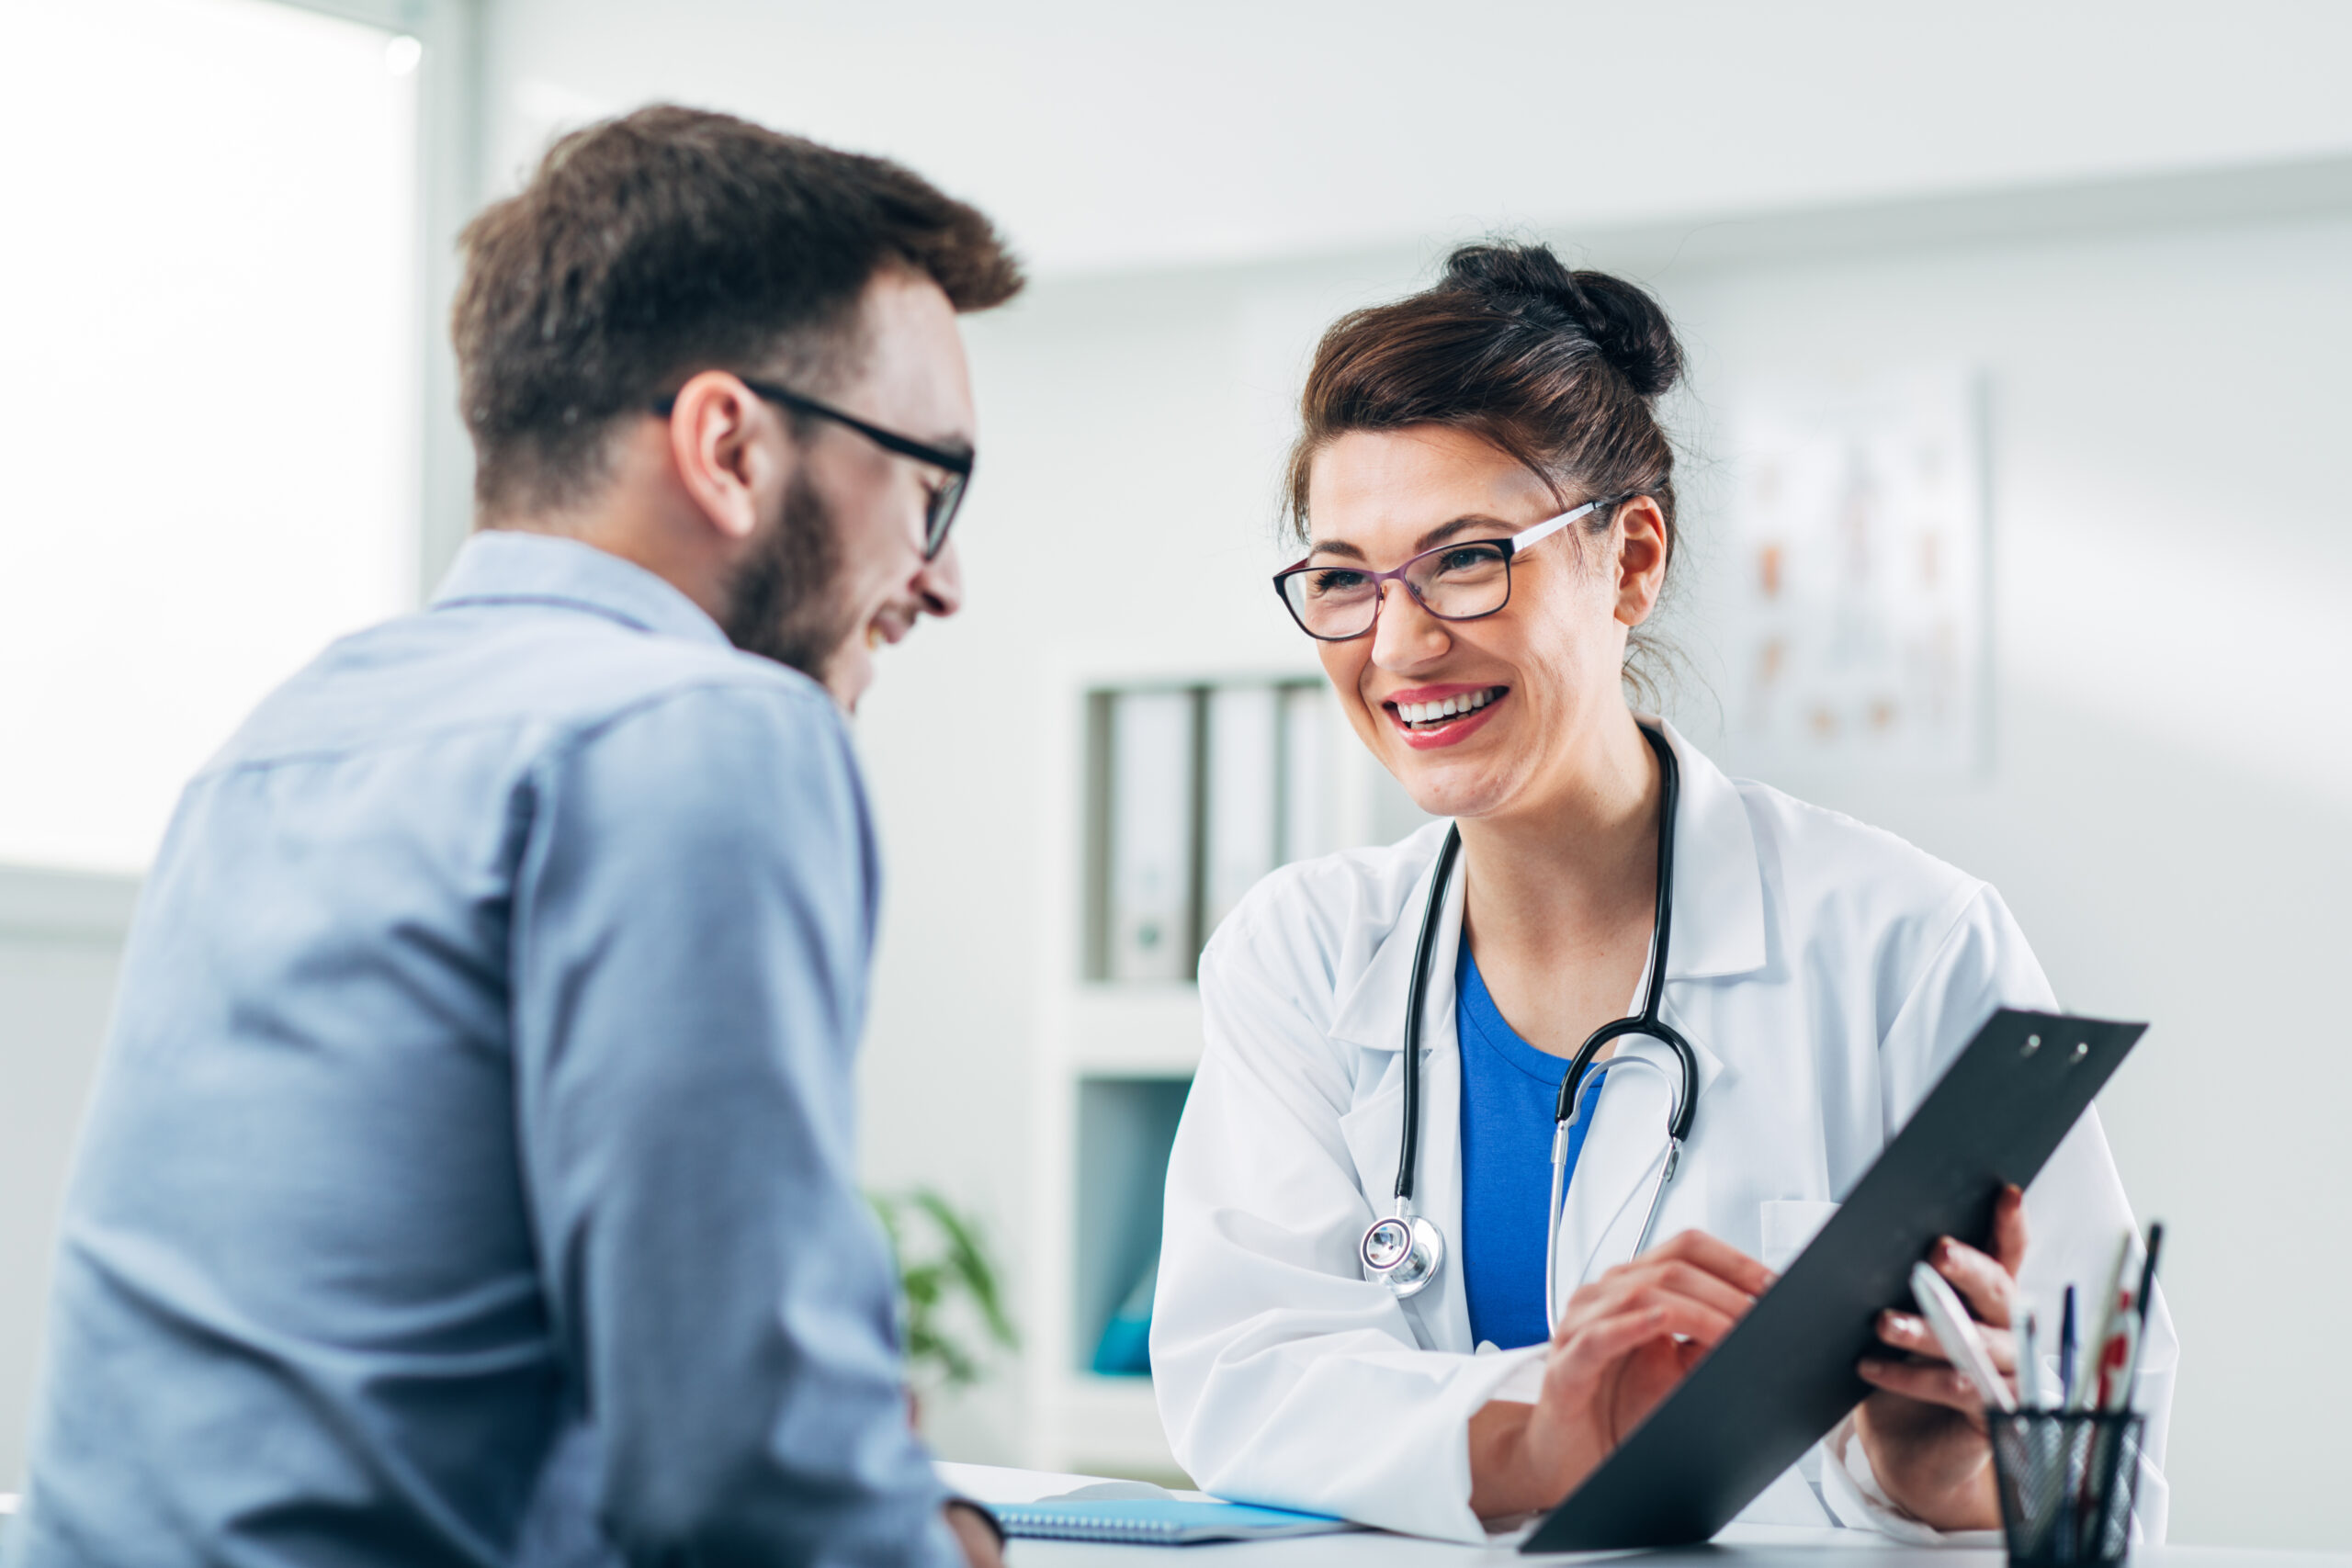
1509, 1092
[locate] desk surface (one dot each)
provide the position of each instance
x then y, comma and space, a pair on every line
1739, 1546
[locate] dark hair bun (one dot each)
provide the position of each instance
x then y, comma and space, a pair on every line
1622, 320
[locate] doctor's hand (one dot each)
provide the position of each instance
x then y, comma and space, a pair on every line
1624, 1341
1924, 1429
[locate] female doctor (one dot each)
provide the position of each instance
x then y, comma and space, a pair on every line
1486, 499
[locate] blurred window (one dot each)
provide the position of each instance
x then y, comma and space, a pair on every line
208, 314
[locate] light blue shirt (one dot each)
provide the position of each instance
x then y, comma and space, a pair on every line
480, 1089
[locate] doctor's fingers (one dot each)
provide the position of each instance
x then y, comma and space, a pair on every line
1934, 1383
1592, 1346
1989, 1289
1680, 1316
1640, 1283
1720, 1258
1678, 1278
1908, 1331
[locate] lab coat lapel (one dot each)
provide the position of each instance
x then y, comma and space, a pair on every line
1718, 881
1718, 931
1371, 1018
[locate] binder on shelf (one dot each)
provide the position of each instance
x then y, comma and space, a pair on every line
1151, 836
1304, 783
1244, 808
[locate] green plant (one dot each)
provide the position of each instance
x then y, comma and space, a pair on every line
943, 1260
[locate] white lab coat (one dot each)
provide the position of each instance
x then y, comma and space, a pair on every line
1825, 973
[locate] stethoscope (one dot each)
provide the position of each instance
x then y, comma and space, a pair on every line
1406, 1250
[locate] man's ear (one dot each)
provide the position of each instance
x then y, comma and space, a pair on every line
733, 478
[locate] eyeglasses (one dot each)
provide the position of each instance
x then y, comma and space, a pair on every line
1460, 581
939, 514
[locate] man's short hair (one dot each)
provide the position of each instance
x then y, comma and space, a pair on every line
668, 241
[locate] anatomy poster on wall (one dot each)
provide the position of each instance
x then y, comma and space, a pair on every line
1854, 606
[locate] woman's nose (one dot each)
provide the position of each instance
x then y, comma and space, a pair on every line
1404, 634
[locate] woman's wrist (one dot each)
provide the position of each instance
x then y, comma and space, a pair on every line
1500, 1478
1934, 1480
1518, 1462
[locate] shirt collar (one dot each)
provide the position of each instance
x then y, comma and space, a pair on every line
1718, 906
507, 566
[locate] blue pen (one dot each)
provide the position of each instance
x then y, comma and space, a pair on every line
2067, 1347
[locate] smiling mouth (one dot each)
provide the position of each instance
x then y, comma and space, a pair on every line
1423, 717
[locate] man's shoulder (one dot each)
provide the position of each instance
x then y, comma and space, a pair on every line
533, 680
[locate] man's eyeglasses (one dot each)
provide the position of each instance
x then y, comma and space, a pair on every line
1460, 581
939, 514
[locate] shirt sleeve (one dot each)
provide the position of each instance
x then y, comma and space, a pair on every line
693, 918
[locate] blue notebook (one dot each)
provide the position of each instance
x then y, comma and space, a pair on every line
1149, 1521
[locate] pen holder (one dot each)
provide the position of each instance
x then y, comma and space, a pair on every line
2067, 1481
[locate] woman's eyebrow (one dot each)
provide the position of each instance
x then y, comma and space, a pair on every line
1430, 540
1445, 531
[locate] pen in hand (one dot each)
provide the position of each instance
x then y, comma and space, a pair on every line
1949, 1321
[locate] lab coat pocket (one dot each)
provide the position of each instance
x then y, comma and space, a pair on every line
1789, 1224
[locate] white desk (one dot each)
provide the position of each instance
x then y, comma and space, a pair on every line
1739, 1546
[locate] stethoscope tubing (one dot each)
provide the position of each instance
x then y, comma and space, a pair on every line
1416, 995
1646, 1024
1563, 1134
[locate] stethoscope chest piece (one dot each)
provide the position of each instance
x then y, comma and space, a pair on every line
1403, 1251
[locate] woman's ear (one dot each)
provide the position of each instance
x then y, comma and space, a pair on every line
1643, 539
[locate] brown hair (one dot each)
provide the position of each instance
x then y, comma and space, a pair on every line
672, 241
1559, 369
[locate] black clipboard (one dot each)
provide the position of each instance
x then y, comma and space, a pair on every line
1781, 1378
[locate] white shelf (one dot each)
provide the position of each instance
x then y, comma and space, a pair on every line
1134, 1030
1109, 1426
1113, 1063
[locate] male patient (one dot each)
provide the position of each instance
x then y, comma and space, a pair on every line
479, 1088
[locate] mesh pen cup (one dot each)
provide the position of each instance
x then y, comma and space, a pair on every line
2067, 1480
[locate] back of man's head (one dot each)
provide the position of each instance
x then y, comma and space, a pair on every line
668, 241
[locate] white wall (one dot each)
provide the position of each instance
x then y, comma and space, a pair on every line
61, 938
1130, 136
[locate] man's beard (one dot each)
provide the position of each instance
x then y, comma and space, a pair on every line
781, 602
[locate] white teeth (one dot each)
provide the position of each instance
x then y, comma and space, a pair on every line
1446, 707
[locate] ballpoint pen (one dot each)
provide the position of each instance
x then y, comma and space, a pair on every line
2119, 1396
1949, 1321
2066, 1349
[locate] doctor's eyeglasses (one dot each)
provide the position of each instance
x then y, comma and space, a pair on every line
956, 468
1333, 601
